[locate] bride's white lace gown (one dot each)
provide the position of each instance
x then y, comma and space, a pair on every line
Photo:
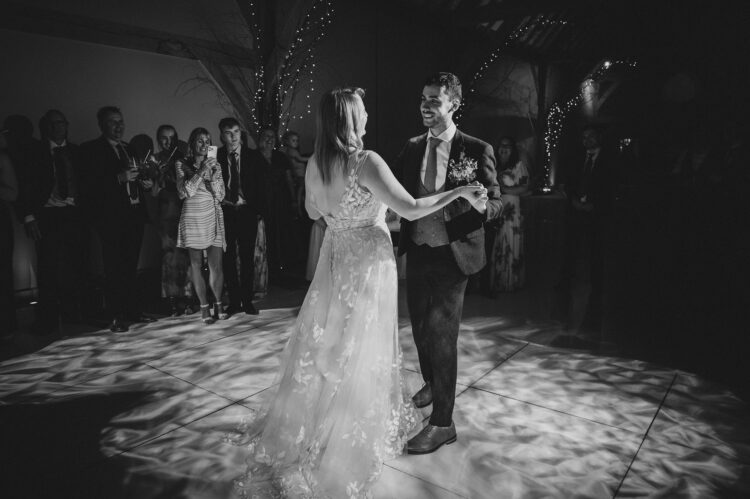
341, 408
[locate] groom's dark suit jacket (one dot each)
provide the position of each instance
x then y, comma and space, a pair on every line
464, 224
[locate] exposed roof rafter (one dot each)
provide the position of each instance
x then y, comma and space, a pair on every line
58, 23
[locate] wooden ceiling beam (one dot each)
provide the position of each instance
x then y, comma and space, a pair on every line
30, 19
517, 8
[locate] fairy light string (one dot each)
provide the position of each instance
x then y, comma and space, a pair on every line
559, 112
519, 33
259, 74
298, 67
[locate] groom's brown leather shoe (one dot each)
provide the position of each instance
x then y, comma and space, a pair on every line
431, 438
423, 397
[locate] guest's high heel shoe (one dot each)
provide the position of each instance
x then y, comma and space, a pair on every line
220, 314
174, 309
206, 314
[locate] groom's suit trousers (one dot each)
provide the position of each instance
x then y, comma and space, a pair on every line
435, 294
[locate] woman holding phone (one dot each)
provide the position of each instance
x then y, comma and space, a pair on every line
201, 227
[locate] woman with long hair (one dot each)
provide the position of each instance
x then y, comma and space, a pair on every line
175, 263
201, 227
341, 407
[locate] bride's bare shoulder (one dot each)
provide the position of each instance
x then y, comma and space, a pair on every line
371, 156
373, 164
372, 161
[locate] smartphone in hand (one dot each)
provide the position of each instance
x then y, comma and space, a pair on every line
212, 152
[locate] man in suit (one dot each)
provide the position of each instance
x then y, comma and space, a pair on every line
8, 194
442, 249
112, 194
589, 186
240, 216
48, 207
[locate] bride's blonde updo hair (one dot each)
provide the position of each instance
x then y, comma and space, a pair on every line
340, 126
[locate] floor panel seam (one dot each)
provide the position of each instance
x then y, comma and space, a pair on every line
555, 410
645, 435
425, 481
498, 364
192, 384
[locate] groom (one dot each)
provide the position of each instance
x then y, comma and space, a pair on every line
443, 248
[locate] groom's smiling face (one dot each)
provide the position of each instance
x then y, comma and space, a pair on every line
437, 108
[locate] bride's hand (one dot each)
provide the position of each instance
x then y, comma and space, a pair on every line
473, 192
476, 194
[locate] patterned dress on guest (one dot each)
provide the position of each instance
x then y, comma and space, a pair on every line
507, 271
277, 209
175, 264
201, 221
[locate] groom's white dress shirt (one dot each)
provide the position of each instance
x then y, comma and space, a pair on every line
443, 153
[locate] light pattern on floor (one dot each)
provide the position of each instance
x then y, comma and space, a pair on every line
532, 420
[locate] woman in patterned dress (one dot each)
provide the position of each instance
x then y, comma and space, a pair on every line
506, 259
175, 263
200, 184
280, 201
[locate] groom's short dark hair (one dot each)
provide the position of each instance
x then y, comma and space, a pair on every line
448, 80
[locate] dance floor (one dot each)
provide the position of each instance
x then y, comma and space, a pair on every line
143, 415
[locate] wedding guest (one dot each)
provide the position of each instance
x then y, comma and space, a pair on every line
142, 146
175, 262
735, 156
698, 171
506, 262
290, 147
735, 213
301, 226
48, 206
8, 194
589, 187
201, 227
112, 197
278, 204
240, 207
21, 146
699, 165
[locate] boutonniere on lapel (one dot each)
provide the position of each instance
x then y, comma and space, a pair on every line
463, 171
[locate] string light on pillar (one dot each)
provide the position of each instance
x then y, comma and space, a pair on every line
518, 33
299, 63
559, 112
259, 76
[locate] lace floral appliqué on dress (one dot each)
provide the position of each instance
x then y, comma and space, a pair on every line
341, 408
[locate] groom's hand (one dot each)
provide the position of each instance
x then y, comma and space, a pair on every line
479, 203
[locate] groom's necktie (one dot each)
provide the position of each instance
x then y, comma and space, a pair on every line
430, 170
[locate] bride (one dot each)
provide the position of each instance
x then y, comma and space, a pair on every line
341, 408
